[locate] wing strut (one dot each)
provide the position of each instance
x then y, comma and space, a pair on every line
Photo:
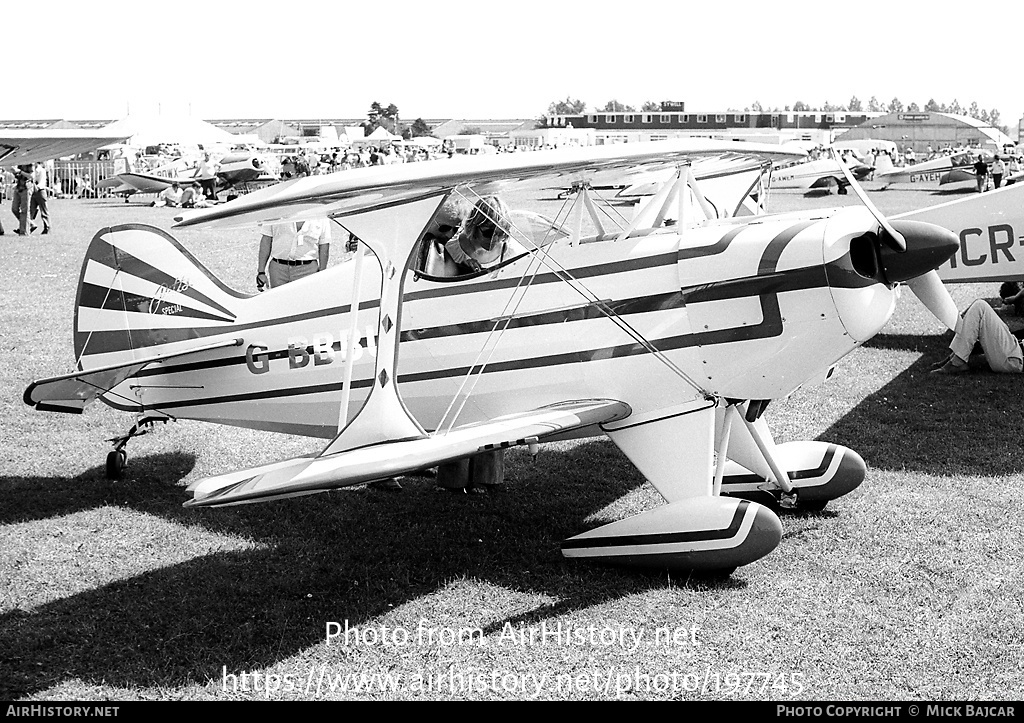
387, 232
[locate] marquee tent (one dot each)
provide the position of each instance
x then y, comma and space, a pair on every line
143, 131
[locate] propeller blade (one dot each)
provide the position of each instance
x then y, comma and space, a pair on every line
930, 290
891, 236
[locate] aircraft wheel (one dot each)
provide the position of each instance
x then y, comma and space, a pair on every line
116, 461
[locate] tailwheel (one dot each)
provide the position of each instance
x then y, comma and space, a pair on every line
117, 460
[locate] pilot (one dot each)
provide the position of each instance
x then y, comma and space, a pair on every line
435, 261
484, 238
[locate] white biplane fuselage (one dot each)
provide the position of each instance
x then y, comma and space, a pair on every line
748, 309
670, 340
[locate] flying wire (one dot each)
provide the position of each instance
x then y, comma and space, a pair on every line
540, 256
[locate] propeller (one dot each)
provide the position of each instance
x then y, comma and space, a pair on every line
929, 247
893, 238
933, 294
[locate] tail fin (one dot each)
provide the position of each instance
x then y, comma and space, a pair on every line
141, 289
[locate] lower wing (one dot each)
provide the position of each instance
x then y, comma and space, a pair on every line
307, 475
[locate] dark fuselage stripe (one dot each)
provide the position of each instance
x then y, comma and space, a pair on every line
770, 326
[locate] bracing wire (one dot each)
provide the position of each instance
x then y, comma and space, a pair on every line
541, 257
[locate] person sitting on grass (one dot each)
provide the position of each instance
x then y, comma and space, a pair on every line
980, 324
170, 196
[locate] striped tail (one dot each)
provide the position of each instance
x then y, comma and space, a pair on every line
141, 293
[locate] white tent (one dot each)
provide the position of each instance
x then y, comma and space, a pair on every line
379, 135
145, 131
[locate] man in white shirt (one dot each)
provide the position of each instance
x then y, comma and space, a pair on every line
170, 196
207, 175
293, 250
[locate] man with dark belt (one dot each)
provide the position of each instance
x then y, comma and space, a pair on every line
292, 250
23, 188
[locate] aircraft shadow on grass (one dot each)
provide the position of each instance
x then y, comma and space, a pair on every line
346, 555
936, 424
355, 553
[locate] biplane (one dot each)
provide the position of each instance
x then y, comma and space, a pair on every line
670, 339
19, 147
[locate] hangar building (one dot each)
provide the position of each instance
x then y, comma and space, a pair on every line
921, 130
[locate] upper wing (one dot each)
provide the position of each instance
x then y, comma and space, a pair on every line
363, 189
72, 392
306, 475
36, 146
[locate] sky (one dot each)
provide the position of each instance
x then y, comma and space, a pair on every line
456, 59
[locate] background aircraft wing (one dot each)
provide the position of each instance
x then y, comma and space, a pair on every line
35, 146
364, 189
147, 183
989, 226
307, 475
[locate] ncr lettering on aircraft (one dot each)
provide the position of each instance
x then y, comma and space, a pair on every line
304, 353
991, 245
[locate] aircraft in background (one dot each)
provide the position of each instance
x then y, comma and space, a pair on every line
990, 228
18, 147
955, 168
822, 173
236, 169
670, 340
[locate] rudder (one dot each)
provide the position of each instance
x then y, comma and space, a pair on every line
139, 289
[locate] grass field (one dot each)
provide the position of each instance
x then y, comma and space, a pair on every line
910, 588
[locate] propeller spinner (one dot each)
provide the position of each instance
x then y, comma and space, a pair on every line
910, 251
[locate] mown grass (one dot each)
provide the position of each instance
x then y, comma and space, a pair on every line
909, 588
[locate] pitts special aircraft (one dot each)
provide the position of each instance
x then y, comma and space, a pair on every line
671, 340
18, 147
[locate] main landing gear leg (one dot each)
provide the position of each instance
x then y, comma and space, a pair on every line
117, 458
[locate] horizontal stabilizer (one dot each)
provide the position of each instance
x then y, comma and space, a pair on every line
72, 392
305, 475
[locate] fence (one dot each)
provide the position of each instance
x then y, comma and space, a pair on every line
76, 179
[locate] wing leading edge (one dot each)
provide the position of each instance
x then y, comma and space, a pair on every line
363, 189
307, 475
35, 146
